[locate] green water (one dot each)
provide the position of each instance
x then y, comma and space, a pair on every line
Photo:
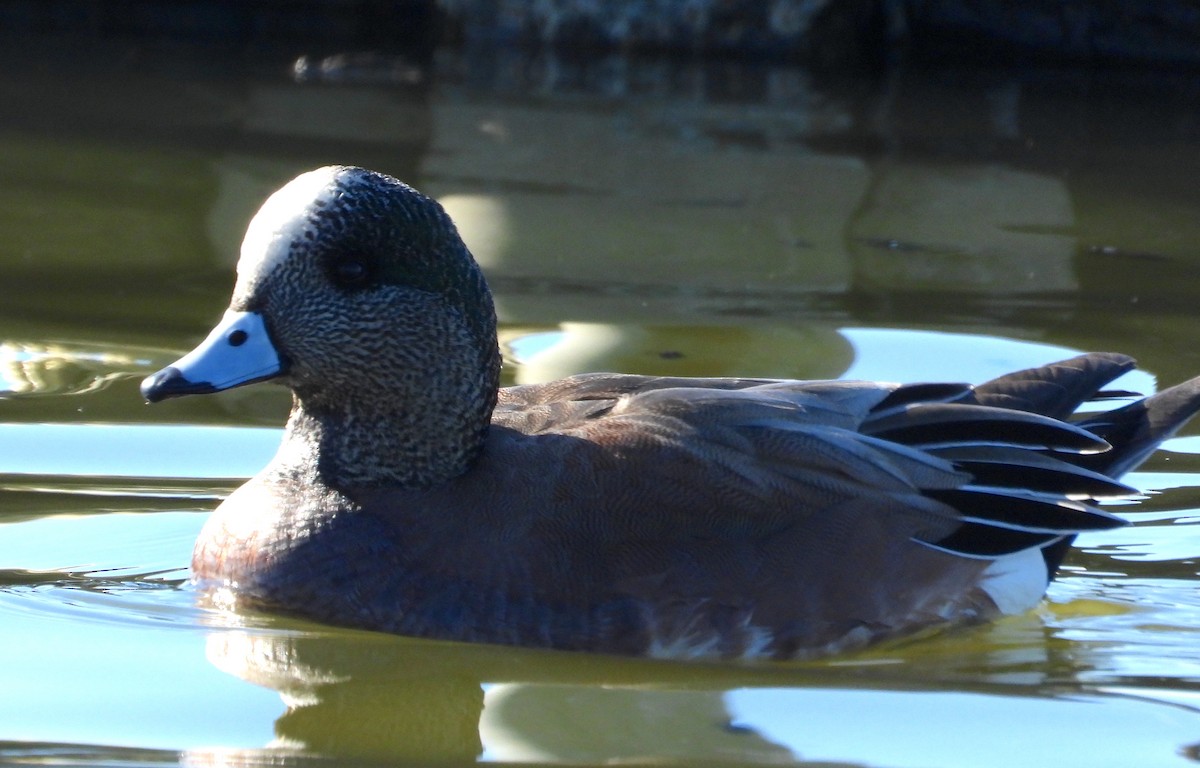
637, 216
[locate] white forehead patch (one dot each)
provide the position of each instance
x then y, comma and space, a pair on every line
281, 220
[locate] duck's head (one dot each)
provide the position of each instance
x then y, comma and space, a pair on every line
357, 292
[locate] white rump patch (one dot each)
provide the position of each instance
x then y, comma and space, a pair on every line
1016, 582
279, 221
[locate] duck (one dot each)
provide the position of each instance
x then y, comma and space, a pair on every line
655, 516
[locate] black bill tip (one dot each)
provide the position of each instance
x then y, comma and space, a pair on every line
170, 382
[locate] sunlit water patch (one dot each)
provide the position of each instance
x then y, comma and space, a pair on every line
897, 354
912, 729
135, 450
91, 527
63, 368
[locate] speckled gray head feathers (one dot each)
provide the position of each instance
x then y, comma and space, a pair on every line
366, 229
379, 309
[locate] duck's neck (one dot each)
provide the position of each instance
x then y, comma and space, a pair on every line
414, 441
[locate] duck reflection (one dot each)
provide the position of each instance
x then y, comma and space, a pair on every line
361, 696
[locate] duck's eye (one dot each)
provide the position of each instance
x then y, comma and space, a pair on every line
350, 273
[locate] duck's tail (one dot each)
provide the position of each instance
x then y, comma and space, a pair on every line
1136, 430
1035, 466
1055, 391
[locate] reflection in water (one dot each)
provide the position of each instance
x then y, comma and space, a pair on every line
359, 68
574, 198
788, 190
361, 696
28, 368
964, 227
730, 350
560, 723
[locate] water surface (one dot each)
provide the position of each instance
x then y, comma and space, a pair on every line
644, 216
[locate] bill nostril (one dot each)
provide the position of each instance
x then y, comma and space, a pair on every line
238, 338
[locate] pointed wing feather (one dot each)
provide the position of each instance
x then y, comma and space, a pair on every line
1054, 390
987, 541
908, 394
944, 424
1025, 511
1010, 467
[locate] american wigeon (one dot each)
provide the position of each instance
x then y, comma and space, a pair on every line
617, 513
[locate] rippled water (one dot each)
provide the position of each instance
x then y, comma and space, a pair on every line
638, 216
